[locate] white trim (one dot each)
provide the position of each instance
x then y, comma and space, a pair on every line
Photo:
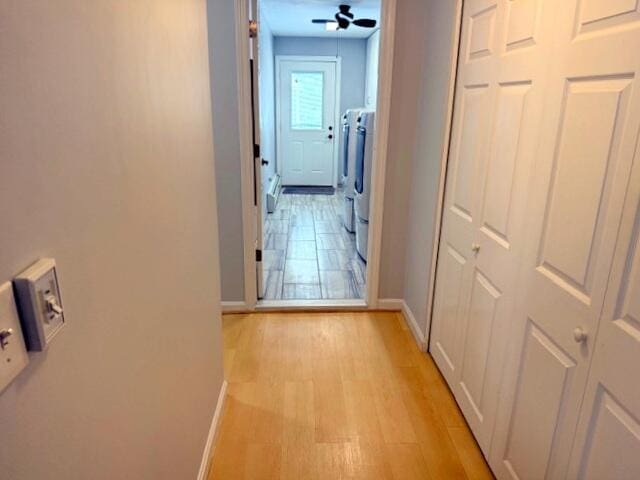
336, 120
378, 171
399, 305
385, 75
243, 53
444, 160
213, 430
235, 307
315, 305
410, 319
390, 304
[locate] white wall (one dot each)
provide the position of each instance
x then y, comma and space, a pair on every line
107, 165
372, 71
224, 84
354, 57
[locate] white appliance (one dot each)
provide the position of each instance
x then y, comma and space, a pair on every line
362, 189
347, 164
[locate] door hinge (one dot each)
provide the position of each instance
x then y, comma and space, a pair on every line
253, 29
256, 150
258, 255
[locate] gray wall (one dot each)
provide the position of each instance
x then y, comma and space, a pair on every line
408, 63
224, 84
107, 165
354, 58
440, 31
267, 103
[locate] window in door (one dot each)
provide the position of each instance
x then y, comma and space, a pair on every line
307, 100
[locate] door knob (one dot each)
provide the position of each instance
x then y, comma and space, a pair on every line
579, 335
264, 162
475, 248
330, 136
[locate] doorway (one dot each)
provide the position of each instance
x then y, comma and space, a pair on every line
312, 228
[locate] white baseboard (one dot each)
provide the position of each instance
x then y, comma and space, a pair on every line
234, 307
390, 304
399, 305
418, 334
213, 430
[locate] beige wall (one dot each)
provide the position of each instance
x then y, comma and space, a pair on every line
226, 129
106, 164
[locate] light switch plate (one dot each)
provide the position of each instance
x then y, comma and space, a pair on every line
40, 303
13, 354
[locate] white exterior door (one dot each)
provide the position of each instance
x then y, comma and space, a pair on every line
589, 135
496, 128
306, 121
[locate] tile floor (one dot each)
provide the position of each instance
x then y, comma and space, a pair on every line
308, 254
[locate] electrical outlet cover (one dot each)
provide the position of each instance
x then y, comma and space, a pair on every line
40, 303
13, 354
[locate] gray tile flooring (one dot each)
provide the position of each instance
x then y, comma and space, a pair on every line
308, 254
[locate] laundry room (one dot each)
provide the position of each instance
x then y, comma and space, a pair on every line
315, 82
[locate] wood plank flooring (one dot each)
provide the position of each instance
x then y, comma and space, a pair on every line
308, 254
325, 396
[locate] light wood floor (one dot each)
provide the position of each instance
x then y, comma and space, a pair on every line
336, 396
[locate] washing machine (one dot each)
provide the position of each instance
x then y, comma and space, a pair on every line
362, 187
348, 161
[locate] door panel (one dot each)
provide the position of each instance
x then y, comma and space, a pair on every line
578, 189
483, 306
495, 132
608, 435
497, 218
451, 270
469, 144
614, 441
590, 124
306, 116
538, 404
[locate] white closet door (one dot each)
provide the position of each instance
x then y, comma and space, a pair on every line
496, 129
608, 439
588, 139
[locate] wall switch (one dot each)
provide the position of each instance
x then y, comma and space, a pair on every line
40, 303
13, 354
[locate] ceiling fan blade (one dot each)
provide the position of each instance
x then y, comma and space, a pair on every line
322, 20
344, 10
365, 22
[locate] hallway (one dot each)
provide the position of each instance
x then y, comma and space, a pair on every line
340, 395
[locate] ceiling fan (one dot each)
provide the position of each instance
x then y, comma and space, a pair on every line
344, 18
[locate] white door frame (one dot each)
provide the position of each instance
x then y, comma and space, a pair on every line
336, 116
387, 32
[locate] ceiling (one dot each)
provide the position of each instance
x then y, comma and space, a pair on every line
292, 18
